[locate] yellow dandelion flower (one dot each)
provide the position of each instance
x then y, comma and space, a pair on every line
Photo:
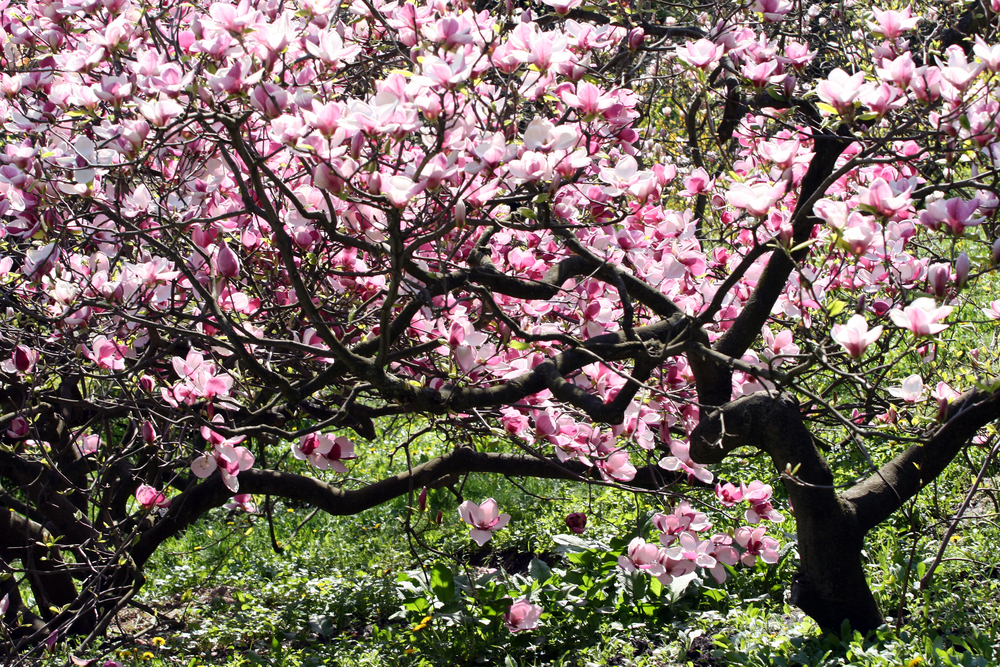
159, 641
146, 656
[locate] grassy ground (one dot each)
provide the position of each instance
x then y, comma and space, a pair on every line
363, 590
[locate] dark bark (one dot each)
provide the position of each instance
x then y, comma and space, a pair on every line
830, 585
195, 502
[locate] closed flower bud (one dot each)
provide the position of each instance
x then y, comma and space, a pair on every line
227, 263
577, 522
148, 432
962, 268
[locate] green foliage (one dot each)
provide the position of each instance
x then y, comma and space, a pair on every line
347, 591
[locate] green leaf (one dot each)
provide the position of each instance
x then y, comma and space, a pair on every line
519, 345
836, 307
442, 582
822, 106
539, 570
527, 213
655, 587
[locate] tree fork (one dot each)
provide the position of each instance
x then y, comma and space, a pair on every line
830, 585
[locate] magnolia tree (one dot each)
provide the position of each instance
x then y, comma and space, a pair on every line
623, 243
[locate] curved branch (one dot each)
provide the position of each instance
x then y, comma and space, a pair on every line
881, 494
193, 503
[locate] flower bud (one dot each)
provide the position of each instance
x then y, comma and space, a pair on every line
422, 499
18, 428
937, 279
227, 263
148, 432
576, 522
962, 268
146, 383
995, 255
635, 38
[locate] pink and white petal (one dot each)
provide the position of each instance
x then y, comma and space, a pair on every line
231, 481
469, 512
245, 458
481, 537
203, 466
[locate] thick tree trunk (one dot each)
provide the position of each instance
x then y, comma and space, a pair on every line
830, 585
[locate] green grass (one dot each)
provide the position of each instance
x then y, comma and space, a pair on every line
354, 590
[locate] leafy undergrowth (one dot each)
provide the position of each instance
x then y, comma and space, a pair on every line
350, 590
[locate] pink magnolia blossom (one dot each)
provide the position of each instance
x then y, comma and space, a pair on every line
149, 497
756, 544
922, 317
728, 494
617, 467
898, 71
670, 527
724, 554
698, 182
912, 390
992, 310
230, 461
883, 98
19, 428
680, 460
758, 495
772, 10
86, 445
963, 265
987, 53
884, 198
938, 277
855, 336
641, 556
522, 615
324, 451
484, 519
757, 199
955, 213
106, 354
702, 54
242, 502
672, 567
227, 262
959, 72
683, 518
840, 89
689, 547
891, 24
22, 360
